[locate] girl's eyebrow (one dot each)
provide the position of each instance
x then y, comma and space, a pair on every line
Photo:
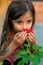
18, 21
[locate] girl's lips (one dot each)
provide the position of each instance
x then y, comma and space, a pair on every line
28, 30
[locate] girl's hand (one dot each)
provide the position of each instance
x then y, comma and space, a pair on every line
19, 38
31, 38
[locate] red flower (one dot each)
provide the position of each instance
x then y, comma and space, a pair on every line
28, 30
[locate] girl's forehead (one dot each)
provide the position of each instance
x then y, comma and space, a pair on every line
26, 16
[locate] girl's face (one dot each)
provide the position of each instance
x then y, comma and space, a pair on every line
23, 22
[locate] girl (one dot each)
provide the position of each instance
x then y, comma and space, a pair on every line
20, 15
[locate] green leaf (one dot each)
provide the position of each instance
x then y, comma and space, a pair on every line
27, 45
22, 52
27, 56
1, 63
20, 63
36, 47
19, 55
26, 59
34, 60
37, 58
39, 53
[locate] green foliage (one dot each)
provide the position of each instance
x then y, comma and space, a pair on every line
1, 63
27, 56
36, 47
25, 59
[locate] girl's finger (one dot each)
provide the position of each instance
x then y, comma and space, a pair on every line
17, 34
21, 34
24, 36
33, 35
30, 40
30, 36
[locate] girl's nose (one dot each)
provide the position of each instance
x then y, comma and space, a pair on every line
24, 25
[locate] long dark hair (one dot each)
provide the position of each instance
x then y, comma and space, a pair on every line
16, 9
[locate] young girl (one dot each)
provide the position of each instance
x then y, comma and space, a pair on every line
20, 15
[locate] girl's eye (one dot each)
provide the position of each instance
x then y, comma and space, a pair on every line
29, 21
18, 21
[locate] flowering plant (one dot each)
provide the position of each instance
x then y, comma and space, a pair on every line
27, 56
28, 30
